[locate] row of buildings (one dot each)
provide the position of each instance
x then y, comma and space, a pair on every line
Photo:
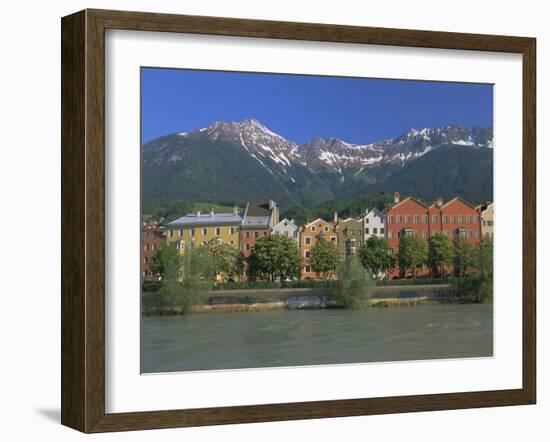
242, 229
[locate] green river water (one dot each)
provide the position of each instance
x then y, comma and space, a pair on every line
214, 341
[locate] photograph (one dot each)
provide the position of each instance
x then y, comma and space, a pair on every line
302, 220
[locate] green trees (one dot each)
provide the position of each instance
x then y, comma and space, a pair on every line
412, 254
228, 262
325, 258
355, 286
167, 261
374, 255
440, 253
463, 256
275, 257
187, 277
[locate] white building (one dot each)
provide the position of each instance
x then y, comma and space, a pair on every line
289, 229
374, 224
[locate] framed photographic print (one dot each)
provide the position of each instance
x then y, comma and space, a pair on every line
269, 220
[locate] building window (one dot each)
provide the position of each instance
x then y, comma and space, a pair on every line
366, 230
390, 234
192, 232
469, 219
445, 219
399, 219
307, 254
170, 233
390, 251
231, 242
205, 231
256, 235
424, 234
145, 247
247, 247
153, 247
477, 233
434, 218
307, 269
461, 219
367, 220
381, 230
295, 234
326, 228
232, 230
469, 233
390, 219
416, 219
333, 239
408, 219
218, 231
265, 233
425, 219
374, 230
313, 228
307, 240
181, 232
247, 235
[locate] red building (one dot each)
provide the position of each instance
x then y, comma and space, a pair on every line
258, 220
152, 237
411, 217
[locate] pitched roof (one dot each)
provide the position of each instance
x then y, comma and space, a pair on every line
407, 199
457, 198
289, 222
192, 219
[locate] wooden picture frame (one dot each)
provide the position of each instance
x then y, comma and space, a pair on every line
83, 220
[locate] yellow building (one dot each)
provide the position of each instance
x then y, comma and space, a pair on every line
486, 214
196, 229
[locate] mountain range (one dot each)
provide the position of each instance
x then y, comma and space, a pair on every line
242, 161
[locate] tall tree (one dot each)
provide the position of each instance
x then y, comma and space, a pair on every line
463, 256
485, 257
355, 286
374, 255
440, 253
412, 253
228, 261
167, 262
325, 258
275, 257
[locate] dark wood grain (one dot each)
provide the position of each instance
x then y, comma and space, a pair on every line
73, 252
83, 220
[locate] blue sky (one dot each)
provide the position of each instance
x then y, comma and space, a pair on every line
299, 107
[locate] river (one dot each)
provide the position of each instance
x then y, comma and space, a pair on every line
282, 338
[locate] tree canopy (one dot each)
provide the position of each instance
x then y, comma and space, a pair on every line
412, 253
440, 253
325, 258
275, 257
374, 255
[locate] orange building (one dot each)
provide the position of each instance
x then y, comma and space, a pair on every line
411, 217
309, 236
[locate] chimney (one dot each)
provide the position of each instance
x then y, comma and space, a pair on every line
211, 212
439, 201
235, 210
271, 204
396, 197
335, 217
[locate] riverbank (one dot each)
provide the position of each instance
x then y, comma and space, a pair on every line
302, 298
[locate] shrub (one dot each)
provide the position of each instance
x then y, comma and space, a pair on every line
355, 286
